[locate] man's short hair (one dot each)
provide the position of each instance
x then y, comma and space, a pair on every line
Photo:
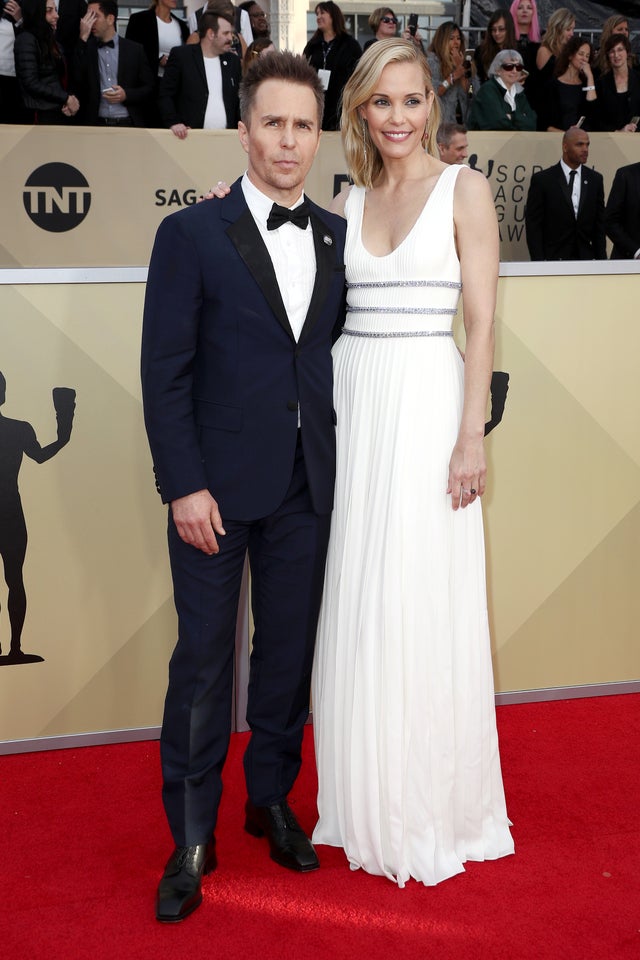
209, 21
446, 132
108, 8
279, 65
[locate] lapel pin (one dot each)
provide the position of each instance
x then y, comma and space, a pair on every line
327, 239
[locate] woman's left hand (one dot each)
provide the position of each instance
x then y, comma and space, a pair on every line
467, 472
220, 191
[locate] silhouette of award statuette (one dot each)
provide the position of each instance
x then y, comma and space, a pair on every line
17, 437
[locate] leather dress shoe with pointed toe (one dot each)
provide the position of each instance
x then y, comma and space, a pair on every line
290, 846
179, 891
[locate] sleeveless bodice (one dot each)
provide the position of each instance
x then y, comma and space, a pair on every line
425, 300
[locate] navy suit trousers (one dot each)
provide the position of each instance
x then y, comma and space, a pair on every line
287, 552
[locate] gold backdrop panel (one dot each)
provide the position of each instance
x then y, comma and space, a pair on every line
94, 197
95, 570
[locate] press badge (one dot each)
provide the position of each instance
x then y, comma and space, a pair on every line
325, 76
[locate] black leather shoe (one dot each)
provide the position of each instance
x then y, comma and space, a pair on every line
290, 846
179, 890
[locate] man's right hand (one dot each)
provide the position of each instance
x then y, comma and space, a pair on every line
180, 131
86, 23
197, 521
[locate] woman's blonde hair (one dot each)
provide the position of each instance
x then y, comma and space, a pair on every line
560, 21
363, 158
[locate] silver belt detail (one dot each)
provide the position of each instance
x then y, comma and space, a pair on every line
399, 333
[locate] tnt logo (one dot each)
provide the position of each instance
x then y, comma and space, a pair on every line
56, 197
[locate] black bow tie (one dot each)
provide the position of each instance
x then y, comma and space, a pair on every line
105, 43
280, 215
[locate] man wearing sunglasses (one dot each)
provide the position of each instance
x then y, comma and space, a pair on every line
501, 103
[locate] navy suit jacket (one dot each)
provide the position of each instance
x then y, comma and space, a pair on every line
623, 212
134, 76
553, 230
184, 91
222, 374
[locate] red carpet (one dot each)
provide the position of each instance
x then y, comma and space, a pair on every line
84, 842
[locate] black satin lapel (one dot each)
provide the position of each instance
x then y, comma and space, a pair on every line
245, 236
325, 246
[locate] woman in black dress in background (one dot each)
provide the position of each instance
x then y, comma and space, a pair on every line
618, 88
572, 92
41, 67
333, 53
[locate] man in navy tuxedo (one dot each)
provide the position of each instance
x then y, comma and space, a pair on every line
243, 299
564, 216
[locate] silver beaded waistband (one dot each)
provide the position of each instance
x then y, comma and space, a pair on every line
449, 284
399, 333
451, 311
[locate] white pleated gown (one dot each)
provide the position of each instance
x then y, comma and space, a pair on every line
403, 701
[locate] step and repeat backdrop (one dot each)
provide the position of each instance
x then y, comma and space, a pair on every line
94, 197
87, 622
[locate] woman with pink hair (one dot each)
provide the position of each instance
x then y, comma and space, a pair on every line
525, 18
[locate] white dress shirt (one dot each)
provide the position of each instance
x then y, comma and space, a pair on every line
292, 254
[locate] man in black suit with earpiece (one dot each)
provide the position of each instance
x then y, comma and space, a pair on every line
564, 216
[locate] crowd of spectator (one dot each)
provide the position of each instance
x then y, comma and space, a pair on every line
519, 77
64, 62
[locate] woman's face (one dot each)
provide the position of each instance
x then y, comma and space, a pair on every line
617, 56
323, 19
622, 28
268, 49
499, 32
387, 26
510, 72
51, 14
397, 112
569, 32
525, 13
455, 42
581, 57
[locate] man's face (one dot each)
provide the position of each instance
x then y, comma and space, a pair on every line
103, 27
281, 138
259, 22
457, 151
221, 41
576, 148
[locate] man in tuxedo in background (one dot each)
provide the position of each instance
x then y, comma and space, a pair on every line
564, 216
243, 298
115, 82
622, 214
201, 81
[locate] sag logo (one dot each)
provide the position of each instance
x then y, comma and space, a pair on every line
56, 197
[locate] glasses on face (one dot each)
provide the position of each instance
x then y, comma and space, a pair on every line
511, 66
388, 19
258, 16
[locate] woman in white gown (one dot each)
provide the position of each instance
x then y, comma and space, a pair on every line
406, 744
